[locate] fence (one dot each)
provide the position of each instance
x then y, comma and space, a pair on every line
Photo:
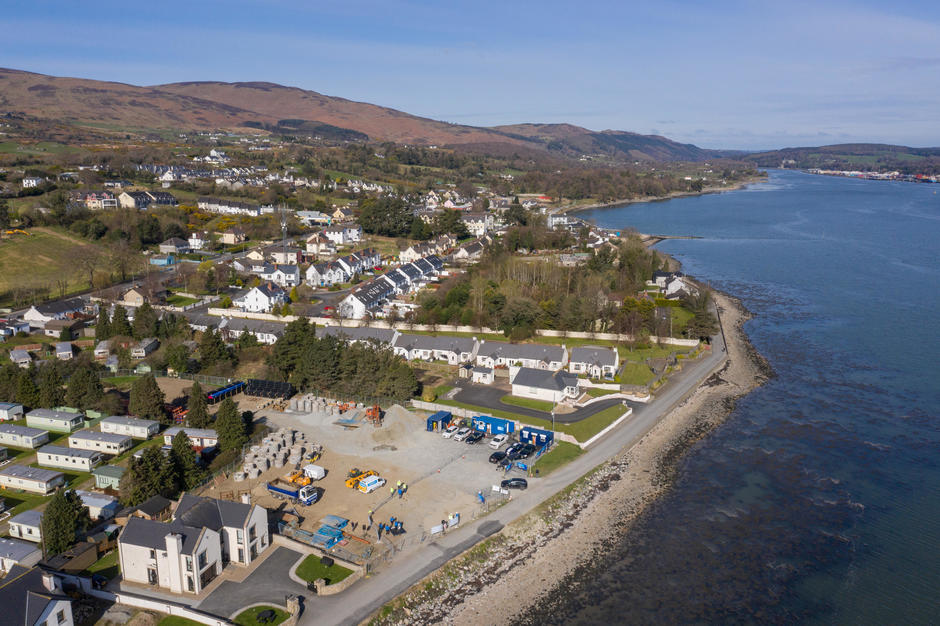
202, 379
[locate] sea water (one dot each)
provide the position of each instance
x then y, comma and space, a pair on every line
819, 499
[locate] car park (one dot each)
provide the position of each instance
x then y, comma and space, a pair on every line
497, 456
498, 441
449, 432
474, 437
514, 483
462, 434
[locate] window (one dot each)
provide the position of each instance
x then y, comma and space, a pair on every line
189, 584
202, 559
251, 533
240, 536
60, 617
189, 564
153, 554
241, 555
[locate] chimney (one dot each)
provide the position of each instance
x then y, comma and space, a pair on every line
246, 498
50, 582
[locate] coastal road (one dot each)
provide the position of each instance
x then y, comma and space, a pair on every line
370, 594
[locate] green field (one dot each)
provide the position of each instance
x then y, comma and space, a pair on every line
311, 569
528, 403
49, 255
178, 300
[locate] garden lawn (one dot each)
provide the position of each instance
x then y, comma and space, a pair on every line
173, 620
311, 569
249, 617
636, 374
528, 403
597, 393
107, 566
561, 453
178, 300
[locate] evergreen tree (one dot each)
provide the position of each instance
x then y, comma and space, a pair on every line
103, 325
65, 335
51, 393
146, 399
230, 427
188, 472
177, 357
154, 473
212, 348
63, 516
27, 393
9, 377
198, 414
119, 324
145, 322
84, 389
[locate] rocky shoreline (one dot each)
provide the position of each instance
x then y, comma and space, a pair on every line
528, 560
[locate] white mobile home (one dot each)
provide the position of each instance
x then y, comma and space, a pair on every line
10, 411
100, 506
22, 436
108, 443
68, 458
130, 426
33, 479
199, 437
55, 421
14, 552
27, 525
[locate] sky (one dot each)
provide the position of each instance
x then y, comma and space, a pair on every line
720, 74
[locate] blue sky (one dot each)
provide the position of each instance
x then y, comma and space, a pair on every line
724, 74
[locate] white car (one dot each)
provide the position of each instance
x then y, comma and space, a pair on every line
462, 434
498, 441
371, 483
449, 432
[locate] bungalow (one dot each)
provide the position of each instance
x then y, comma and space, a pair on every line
39, 314
593, 361
56, 328
130, 426
100, 506
108, 443
199, 438
326, 274
33, 479
454, 350
133, 297
21, 357
481, 375
35, 597
22, 436
64, 350
27, 525
108, 476
544, 385
144, 347
283, 275
261, 299
10, 411
531, 355
469, 252
13, 552
264, 331
55, 421
175, 245
352, 334
311, 218
73, 459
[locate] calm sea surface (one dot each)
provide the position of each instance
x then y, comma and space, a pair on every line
819, 499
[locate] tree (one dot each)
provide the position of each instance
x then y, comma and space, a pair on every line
230, 427
146, 399
87, 260
27, 393
212, 348
50, 387
103, 324
63, 516
188, 472
198, 414
152, 474
65, 335
145, 322
84, 388
177, 357
4, 214
120, 327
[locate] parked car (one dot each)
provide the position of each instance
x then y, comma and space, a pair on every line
497, 456
474, 437
513, 451
449, 432
462, 434
498, 441
526, 450
514, 483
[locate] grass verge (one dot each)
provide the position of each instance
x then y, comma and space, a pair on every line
249, 617
311, 569
561, 454
528, 403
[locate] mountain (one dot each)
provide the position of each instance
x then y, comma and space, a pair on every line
853, 156
290, 110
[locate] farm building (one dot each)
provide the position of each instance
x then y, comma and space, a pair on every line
22, 436
108, 476
55, 421
199, 437
130, 426
14, 552
27, 525
10, 411
107, 443
67, 458
33, 479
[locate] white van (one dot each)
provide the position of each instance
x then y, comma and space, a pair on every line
371, 483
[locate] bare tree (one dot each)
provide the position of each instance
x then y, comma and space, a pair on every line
87, 260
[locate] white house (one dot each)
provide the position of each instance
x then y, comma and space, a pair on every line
478, 223
175, 245
22, 436
14, 552
55, 421
35, 597
261, 299
32, 479
199, 239
343, 235
144, 347
27, 525
283, 275
130, 426
284, 255
187, 553
454, 350
594, 361
531, 355
10, 411
100, 506
469, 252
107, 443
21, 358
39, 314
481, 375
199, 437
326, 274
32, 181
544, 384
320, 245
365, 298
103, 349
72, 459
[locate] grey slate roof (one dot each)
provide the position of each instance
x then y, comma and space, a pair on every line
109, 471
97, 435
211, 513
127, 420
153, 505
150, 534
29, 473
32, 517
62, 450
22, 431
439, 342
381, 335
593, 355
67, 416
544, 379
15, 549
23, 596
502, 349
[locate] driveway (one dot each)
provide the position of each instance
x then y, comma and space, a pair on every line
490, 398
268, 583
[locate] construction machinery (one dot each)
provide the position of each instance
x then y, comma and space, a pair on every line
298, 477
353, 482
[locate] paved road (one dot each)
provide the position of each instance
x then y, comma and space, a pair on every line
268, 583
369, 595
489, 397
